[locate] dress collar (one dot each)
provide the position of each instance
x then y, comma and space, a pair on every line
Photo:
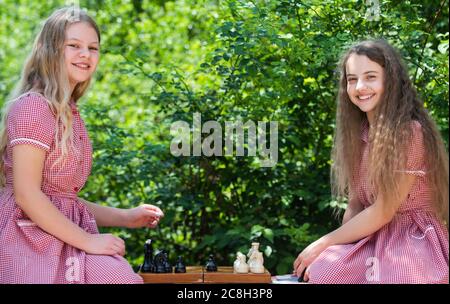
365, 131
73, 106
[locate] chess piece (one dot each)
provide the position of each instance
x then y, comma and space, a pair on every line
240, 266
301, 278
160, 262
211, 264
148, 265
256, 262
179, 266
167, 266
255, 246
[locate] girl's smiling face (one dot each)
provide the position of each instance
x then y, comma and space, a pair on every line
81, 52
365, 83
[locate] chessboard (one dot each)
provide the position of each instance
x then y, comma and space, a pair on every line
193, 274
226, 274
197, 274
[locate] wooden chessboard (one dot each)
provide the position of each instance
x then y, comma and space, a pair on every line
193, 274
197, 274
225, 274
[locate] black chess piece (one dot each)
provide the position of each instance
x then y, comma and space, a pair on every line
160, 262
148, 265
211, 264
179, 266
167, 266
301, 277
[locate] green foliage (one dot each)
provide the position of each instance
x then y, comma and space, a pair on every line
259, 60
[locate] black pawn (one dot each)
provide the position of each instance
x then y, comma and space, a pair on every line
211, 264
167, 266
301, 278
148, 265
160, 262
179, 266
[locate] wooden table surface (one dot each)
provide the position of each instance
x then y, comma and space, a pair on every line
225, 274
194, 274
197, 274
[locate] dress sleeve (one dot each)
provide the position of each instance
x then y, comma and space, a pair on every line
31, 122
416, 152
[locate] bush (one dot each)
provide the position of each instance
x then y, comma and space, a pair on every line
258, 60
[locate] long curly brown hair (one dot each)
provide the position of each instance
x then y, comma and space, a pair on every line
390, 134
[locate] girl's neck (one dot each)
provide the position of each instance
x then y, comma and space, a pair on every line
35, 88
72, 87
370, 118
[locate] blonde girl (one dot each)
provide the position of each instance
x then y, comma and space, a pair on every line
47, 233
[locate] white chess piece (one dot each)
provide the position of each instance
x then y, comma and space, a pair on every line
240, 266
256, 262
255, 247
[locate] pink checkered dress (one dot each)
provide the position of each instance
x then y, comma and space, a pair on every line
27, 253
412, 248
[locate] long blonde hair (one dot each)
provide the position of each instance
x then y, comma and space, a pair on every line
390, 133
45, 72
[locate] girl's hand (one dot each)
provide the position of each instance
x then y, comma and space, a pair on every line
307, 256
106, 244
143, 216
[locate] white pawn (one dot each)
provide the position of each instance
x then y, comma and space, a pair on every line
255, 247
256, 262
240, 266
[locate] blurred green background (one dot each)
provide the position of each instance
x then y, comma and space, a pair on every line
260, 60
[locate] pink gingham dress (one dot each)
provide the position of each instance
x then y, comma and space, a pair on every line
412, 248
27, 253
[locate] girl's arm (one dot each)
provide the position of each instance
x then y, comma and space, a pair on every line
107, 216
28, 164
144, 215
358, 227
350, 212
353, 208
370, 219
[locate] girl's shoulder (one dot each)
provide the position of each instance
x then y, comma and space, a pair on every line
31, 121
416, 131
416, 126
31, 104
415, 147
